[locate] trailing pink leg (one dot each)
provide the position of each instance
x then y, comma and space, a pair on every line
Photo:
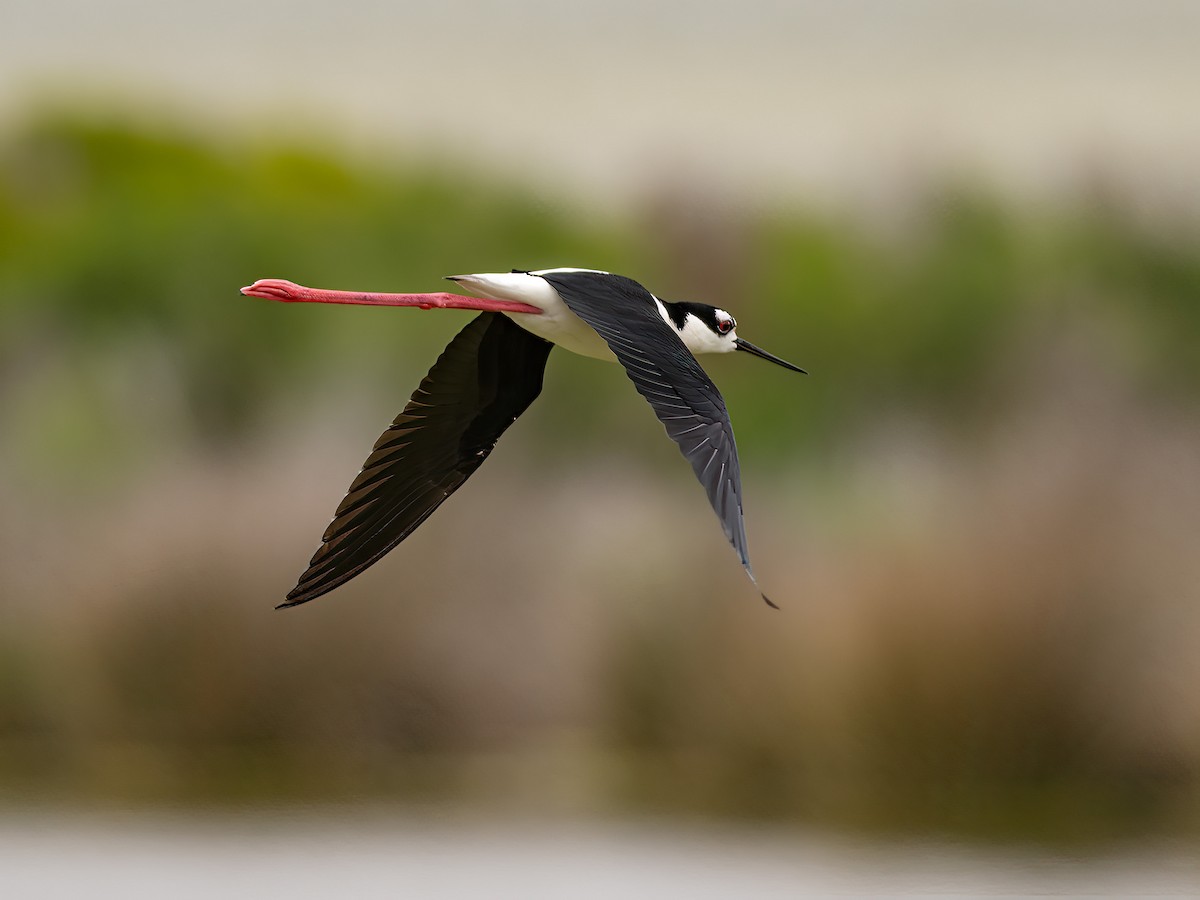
289, 292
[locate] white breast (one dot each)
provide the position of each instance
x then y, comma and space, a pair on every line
556, 324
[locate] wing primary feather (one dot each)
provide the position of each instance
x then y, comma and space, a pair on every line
666, 374
485, 378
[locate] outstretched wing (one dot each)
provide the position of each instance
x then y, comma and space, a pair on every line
664, 371
484, 380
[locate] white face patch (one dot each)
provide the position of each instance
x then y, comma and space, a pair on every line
700, 338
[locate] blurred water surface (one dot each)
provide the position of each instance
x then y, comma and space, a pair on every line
773, 103
310, 857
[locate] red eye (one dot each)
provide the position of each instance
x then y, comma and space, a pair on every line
725, 326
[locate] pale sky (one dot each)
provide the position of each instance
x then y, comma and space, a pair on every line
824, 100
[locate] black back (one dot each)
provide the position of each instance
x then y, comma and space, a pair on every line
485, 378
664, 372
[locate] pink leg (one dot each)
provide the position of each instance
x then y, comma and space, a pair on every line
289, 292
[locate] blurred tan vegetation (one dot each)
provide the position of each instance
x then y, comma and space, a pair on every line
980, 512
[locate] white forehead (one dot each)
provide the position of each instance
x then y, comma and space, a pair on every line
722, 315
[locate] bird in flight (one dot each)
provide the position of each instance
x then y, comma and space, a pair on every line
492, 370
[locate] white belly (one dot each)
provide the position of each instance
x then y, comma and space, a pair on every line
557, 324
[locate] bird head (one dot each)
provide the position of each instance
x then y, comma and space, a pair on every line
710, 329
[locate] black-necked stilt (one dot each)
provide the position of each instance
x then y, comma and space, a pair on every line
490, 373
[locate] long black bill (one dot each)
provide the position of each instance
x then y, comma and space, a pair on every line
770, 357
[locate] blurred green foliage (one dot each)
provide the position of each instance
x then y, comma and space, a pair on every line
118, 240
123, 340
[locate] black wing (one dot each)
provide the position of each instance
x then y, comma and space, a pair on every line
484, 380
664, 372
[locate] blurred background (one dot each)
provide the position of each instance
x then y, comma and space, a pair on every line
977, 225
